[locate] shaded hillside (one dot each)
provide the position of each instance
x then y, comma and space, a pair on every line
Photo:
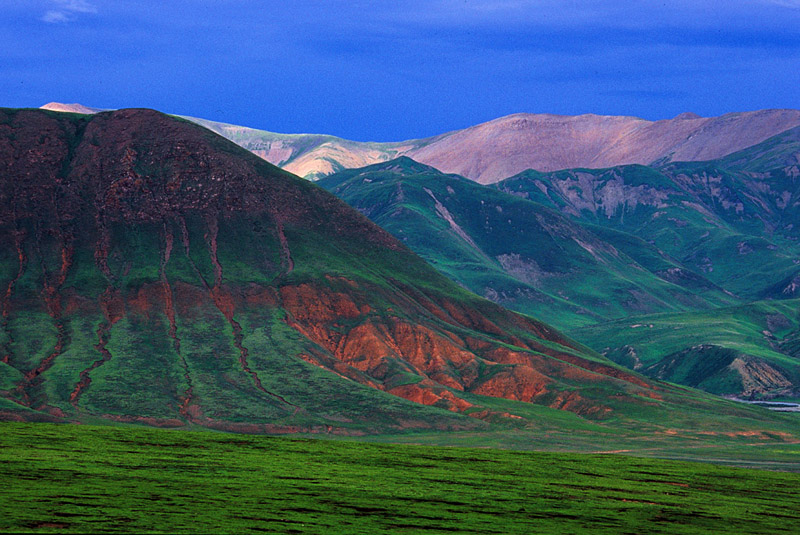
519, 253
733, 220
498, 149
153, 271
583, 246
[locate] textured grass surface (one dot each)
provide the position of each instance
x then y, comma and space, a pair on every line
78, 479
519, 253
763, 330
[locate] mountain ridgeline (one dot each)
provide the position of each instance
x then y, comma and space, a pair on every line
152, 271
495, 150
522, 254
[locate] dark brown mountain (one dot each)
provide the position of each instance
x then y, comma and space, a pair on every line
153, 271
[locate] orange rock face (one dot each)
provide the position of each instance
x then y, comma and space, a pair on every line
375, 349
521, 383
428, 395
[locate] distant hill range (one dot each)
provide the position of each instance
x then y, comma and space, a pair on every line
708, 230
498, 149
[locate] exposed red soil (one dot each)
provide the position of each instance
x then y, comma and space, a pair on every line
259, 297
19, 237
307, 303
341, 369
487, 414
28, 387
520, 383
186, 409
442, 361
286, 253
431, 396
113, 310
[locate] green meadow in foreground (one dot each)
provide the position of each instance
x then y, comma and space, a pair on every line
73, 479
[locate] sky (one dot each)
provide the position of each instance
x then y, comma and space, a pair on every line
387, 71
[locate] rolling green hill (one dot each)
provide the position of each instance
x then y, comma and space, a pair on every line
731, 220
155, 274
519, 253
748, 350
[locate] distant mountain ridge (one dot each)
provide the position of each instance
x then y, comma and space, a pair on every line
524, 255
71, 108
495, 150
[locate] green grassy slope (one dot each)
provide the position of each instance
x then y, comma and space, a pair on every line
744, 350
732, 220
732, 223
75, 479
711, 221
519, 253
627, 241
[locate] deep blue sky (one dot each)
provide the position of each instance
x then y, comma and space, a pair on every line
380, 70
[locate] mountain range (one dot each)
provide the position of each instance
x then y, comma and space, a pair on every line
593, 251
153, 271
498, 149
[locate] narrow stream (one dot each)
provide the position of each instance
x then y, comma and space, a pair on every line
779, 406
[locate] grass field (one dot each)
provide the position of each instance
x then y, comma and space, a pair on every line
78, 479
